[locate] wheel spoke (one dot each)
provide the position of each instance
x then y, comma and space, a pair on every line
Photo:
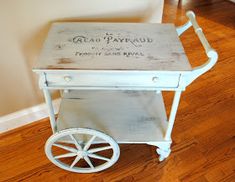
99, 149
75, 161
87, 159
88, 144
79, 147
71, 149
65, 155
98, 157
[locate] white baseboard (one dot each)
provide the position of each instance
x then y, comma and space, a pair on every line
26, 116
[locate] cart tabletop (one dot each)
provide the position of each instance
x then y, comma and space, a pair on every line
113, 46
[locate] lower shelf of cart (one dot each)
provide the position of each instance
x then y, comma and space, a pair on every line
127, 116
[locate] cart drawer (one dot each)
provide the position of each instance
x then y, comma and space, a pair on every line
112, 79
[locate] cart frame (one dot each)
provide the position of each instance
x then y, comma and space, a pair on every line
186, 78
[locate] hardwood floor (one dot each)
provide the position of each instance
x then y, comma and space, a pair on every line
203, 147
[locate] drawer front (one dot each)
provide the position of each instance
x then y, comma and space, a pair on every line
112, 79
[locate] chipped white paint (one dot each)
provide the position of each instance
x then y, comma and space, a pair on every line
124, 115
112, 79
113, 76
113, 46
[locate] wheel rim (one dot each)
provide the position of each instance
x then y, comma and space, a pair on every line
66, 150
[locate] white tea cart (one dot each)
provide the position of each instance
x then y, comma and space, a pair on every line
111, 76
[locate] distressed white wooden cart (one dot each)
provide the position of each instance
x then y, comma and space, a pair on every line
111, 76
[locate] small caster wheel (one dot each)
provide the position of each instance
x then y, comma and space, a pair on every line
82, 150
161, 158
163, 153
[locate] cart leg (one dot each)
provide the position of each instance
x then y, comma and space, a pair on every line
174, 108
48, 100
164, 148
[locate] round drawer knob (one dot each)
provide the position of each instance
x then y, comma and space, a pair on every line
67, 78
155, 79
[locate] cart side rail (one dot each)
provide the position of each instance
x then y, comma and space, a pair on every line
211, 53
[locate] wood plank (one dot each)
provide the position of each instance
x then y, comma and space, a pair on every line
113, 46
135, 116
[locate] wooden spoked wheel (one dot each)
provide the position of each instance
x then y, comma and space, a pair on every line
82, 150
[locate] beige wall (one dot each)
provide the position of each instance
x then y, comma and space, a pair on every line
24, 25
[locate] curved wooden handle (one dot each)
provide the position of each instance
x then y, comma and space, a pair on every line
211, 53
200, 34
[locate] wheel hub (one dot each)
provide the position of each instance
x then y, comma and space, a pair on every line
82, 153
